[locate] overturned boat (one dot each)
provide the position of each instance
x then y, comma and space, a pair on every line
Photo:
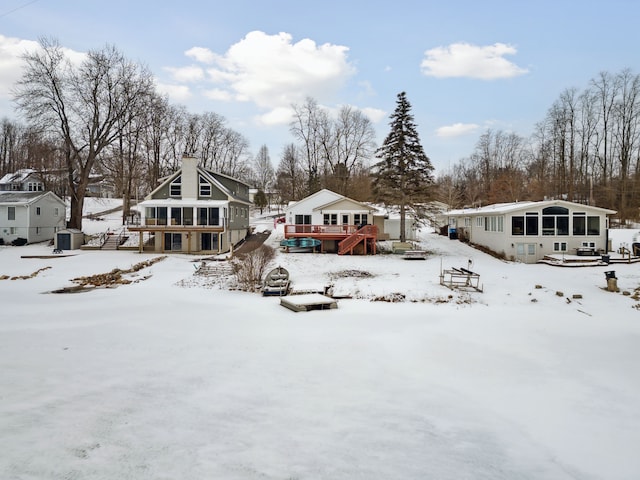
300, 244
276, 283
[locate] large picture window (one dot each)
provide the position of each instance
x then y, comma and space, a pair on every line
11, 213
209, 216
517, 225
579, 224
555, 221
593, 225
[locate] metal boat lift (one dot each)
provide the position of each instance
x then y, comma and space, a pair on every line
460, 278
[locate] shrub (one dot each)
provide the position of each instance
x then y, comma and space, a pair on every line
249, 268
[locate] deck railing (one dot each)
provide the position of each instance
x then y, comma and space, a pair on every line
312, 230
366, 232
165, 222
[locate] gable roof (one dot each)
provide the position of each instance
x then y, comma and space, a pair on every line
354, 203
23, 198
17, 177
314, 195
211, 176
501, 208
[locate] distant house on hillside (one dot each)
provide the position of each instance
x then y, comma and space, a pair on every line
527, 231
31, 215
25, 180
341, 224
195, 210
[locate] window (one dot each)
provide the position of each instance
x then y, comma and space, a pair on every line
11, 213
175, 188
555, 221
209, 241
37, 210
360, 218
208, 216
531, 224
303, 219
330, 218
579, 224
467, 221
517, 226
479, 221
13, 231
176, 216
56, 212
162, 215
205, 187
37, 230
559, 246
593, 225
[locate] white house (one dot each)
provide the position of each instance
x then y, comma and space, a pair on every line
195, 210
331, 218
527, 231
34, 216
24, 180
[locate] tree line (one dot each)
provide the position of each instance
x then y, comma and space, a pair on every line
101, 118
586, 149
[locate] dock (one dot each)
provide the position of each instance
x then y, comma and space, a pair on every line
308, 302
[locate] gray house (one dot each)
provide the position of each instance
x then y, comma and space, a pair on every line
194, 210
527, 231
34, 216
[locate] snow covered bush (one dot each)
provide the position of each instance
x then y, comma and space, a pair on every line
249, 268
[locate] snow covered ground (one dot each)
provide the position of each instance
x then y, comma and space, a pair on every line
169, 378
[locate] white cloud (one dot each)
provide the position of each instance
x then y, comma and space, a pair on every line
374, 114
273, 72
177, 93
276, 116
201, 54
187, 74
457, 130
11, 50
11, 63
466, 60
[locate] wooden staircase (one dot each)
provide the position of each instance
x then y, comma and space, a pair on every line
112, 242
368, 235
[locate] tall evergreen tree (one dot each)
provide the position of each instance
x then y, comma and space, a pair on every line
403, 177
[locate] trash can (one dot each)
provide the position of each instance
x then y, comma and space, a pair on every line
606, 258
610, 274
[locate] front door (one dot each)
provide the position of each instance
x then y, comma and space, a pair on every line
173, 242
526, 252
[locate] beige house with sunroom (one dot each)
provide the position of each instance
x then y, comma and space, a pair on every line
194, 210
527, 231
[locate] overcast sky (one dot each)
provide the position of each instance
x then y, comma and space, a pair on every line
465, 65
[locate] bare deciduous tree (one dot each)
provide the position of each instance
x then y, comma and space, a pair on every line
83, 106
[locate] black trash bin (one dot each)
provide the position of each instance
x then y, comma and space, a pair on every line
610, 274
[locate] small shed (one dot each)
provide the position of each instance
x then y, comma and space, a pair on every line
69, 239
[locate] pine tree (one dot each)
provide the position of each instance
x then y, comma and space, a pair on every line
404, 176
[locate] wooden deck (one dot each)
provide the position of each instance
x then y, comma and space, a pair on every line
348, 236
311, 301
